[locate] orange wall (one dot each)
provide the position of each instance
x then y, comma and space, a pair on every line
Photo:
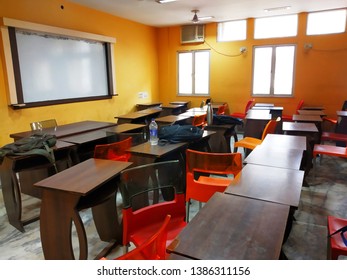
321, 73
135, 61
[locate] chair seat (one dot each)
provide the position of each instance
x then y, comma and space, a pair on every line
336, 245
214, 181
287, 118
331, 136
321, 149
174, 228
248, 143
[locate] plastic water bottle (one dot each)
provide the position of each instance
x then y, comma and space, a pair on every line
153, 132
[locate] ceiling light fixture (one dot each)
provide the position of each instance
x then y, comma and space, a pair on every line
164, 1
277, 9
195, 17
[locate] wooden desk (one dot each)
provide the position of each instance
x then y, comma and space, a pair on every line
88, 184
143, 106
320, 113
67, 129
307, 118
272, 184
150, 111
299, 127
172, 109
263, 105
255, 122
173, 119
275, 157
313, 108
220, 142
18, 175
281, 141
231, 227
139, 117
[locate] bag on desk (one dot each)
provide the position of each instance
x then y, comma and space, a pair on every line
225, 119
36, 144
179, 133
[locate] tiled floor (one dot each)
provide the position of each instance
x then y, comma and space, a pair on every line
327, 195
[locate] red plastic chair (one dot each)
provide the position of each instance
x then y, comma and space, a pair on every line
337, 243
200, 120
221, 110
200, 185
289, 118
243, 115
114, 151
150, 193
152, 249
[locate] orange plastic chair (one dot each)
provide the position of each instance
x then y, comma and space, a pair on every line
337, 243
333, 120
243, 115
200, 185
322, 149
289, 118
200, 120
152, 249
251, 142
151, 192
114, 151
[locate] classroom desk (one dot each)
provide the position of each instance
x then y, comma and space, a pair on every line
299, 127
139, 117
320, 113
186, 104
263, 105
172, 109
307, 118
143, 106
91, 183
231, 227
284, 141
275, 157
272, 184
255, 122
18, 175
173, 119
312, 108
67, 129
220, 141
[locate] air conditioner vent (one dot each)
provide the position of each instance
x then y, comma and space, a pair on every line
192, 33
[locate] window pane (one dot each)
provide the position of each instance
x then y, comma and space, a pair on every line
185, 61
283, 80
272, 27
262, 70
202, 68
326, 22
232, 30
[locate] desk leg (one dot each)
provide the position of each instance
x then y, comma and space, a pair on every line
58, 211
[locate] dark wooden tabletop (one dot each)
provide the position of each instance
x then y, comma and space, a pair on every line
232, 227
84, 177
307, 118
279, 185
284, 141
276, 157
299, 127
67, 129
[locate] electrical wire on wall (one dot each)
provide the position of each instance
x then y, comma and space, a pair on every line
242, 51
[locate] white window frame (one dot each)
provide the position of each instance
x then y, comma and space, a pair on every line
229, 31
267, 24
273, 72
193, 72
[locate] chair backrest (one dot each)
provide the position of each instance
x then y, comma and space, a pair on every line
151, 192
114, 151
249, 105
299, 106
270, 128
221, 110
201, 164
199, 120
152, 249
43, 124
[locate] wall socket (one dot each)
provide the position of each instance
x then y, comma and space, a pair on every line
243, 49
308, 46
143, 94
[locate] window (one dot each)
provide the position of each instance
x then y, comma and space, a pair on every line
232, 30
273, 70
193, 72
327, 22
275, 27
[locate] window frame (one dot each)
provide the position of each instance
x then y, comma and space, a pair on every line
220, 40
325, 33
273, 72
193, 52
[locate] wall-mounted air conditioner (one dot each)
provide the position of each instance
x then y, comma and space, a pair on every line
192, 33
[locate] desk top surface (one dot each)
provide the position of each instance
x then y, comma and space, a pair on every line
284, 141
312, 112
267, 183
172, 118
68, 129
84, 177
263, 105
258, 115
299, 127
233, 227
307, 118
341, 113
275, 157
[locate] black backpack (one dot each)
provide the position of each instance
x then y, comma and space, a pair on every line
36, 144
179, 133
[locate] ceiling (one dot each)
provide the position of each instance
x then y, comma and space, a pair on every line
151, 13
